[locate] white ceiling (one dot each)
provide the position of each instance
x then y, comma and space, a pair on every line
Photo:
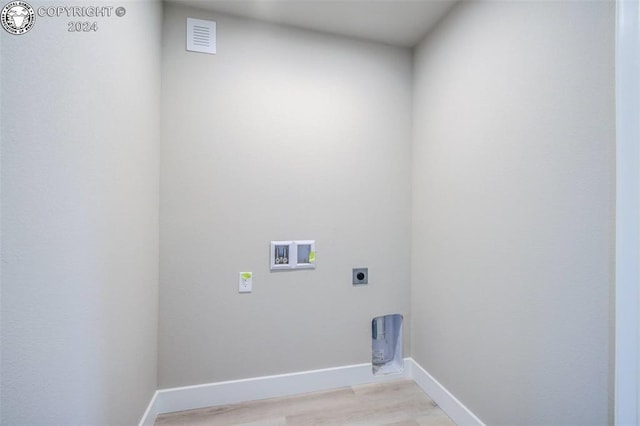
396, 22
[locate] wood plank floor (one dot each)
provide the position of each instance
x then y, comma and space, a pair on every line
397, 403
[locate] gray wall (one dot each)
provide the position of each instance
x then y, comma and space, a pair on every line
80, 132
512, 209
284, 134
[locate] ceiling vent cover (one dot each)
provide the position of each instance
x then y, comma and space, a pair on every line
201, 36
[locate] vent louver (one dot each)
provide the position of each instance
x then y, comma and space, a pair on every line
201, 36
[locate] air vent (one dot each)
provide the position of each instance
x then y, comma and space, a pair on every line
201, 36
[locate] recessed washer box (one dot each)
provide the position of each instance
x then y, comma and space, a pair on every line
298, 254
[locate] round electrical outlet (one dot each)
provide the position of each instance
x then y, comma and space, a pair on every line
360, 276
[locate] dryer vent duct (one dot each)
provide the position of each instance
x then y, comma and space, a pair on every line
386, 344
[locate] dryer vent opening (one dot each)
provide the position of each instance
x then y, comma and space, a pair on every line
386, 344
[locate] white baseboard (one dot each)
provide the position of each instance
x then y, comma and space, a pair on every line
455, 409
234, 391
149, 416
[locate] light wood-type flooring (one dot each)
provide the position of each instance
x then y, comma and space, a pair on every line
397, 403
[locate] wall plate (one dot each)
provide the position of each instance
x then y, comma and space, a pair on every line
360, 276
245, 282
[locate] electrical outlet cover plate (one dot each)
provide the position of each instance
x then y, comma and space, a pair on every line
245, 282
360, 276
